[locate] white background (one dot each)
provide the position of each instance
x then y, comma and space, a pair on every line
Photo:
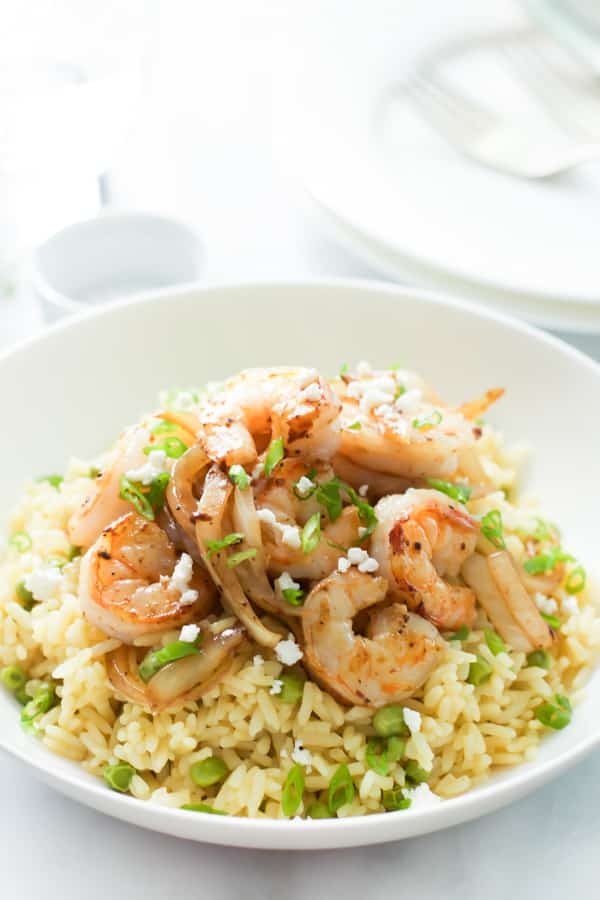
202, 147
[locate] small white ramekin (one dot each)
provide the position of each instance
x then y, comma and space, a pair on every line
111, 256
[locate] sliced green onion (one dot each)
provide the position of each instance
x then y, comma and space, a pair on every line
553, 621
394, 799
557, 717
13, 677
172, 446
119, 777
94, 471
479, 671
304, 496
311, 533
317, 811
356, 426
461, 634
414, 773
341, 789
426, 422
389, 720
239, 477
21, 541
366, 512
492, 528
328, 494
274, 455
22, 696
383, 752
293, 596
165, 427
216, 546
24, 595
494, 642
344, 370
203, 807
540, 658
292, 687
400, 390
460, 492
54, 480
576, 580
146, 501
156, 659
208, 771
293, 788
241, 556
546, 562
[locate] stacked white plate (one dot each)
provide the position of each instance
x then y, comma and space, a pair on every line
411, 205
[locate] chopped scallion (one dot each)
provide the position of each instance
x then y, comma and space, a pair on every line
293, 788
341, 789
216, 546
241, 556
311, 533
274, 455
492, 528
460, 492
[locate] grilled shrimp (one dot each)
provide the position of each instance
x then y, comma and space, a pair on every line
392, 423
389, 664
420, 542
131, 583
104, 504
258, 405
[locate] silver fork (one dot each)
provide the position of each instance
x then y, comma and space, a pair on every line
489, 138
572, 105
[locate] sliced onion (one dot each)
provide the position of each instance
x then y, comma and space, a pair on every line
476, 573
123, 676
176, 681
380, 483
506, 576
180, 495
209, 527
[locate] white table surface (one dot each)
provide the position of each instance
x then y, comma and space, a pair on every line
202, 149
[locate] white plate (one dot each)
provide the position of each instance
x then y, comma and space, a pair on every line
367, 158
71, 390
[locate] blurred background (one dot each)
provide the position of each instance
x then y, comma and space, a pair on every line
449, 145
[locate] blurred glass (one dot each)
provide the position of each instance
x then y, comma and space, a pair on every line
71, 78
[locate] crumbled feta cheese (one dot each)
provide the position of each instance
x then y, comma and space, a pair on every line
155, 465
372, 398
343, 564
267, 516
410, 401
356, 556
43, 583
363, 368
304, 486
363, 490
546, 604
276, 687
368, 565
422, 797
290, 536
285, 582
180, 580
189, 633
362, 531
306, 376
300, 755
284, 754
257, 470
569, 605
312, 392
257, 660
412, 719
288, 652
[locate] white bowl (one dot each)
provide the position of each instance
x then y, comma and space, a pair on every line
112, 256
71, 390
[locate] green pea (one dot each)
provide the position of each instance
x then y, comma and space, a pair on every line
208, 771
317, 811
382, 752
479, 671
13, 678
394, 799
203, 807
292, 687
41, 703
155, 660
539, 658
414, 773
119, 777
557, 717
389, 720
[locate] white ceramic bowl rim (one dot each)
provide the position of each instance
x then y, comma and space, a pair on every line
282, 834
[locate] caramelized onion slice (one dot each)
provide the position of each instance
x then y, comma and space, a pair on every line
508, 581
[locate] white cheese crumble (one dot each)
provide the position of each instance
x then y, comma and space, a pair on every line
155, 465
304, 486
189, 633
422, 797
312, 392
236, 470
569, 604
363, 368
300, 755
43, 583
410, 401
363, 490
257, 660
277, 686
546, 604
285, 582
290, 534
357, 557
412, 719
288, 652
306, 376
180, 580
